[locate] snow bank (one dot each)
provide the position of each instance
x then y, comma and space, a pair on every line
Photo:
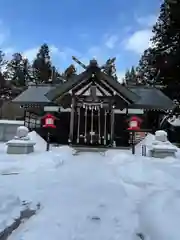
159, 215
62, 154
148, 140
120, 157
113, 152
10, 208
15, 122
155, 188
41, 160
144, 174
141, 171
40, 142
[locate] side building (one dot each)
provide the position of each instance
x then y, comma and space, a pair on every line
92, 108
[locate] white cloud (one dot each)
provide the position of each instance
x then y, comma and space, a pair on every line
111, 41
139, 41
30, 54
54, 51
147, 21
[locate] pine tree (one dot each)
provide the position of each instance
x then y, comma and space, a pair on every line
56, 77
133, 75
17, 70
42, 66
3, 62
130, 76
147, 66
127, 76
166, 39
5, 90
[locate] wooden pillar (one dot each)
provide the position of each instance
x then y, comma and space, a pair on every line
25, 111
112, 126
71, 129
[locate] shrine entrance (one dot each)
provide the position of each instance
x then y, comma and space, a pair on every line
92, 126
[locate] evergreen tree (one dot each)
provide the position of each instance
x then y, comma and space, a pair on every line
17, 70
42, 67
5, 90
56, 77
166, 39
133, 75
127, 76
3, 62
130, 76
147, 68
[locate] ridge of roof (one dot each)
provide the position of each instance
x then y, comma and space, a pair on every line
70, 83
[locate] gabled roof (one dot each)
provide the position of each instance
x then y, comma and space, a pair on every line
127, 93
34, 94
72, 82
141, 96
152, 98
66, 86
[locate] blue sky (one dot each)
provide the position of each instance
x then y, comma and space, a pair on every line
86, 29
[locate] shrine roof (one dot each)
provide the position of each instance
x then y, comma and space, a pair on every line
72, 82
152, 98
34, 94
141, 96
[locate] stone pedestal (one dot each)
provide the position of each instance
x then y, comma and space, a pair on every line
159, 152
21, 144
17, 146
161, 147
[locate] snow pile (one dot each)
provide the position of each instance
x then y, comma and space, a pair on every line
40, 142
31, 163
143, 174
93, 196
61, 154
175, 121
155, 188
150, 140
10, 209
76, 205
160, 215
15, 122
120, 157
111, 153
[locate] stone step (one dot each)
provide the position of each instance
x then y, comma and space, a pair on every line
79, 149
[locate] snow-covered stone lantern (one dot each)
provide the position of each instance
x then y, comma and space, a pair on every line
134, 126
134, 123
49, 121
48, 124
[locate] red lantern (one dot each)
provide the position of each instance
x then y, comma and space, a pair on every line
49, 121
134, 123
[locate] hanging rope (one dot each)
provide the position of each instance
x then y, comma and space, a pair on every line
78, 125
105, 119
92, 125
85, 134
99, 125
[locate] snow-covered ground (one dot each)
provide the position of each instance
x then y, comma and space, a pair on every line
92, 196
